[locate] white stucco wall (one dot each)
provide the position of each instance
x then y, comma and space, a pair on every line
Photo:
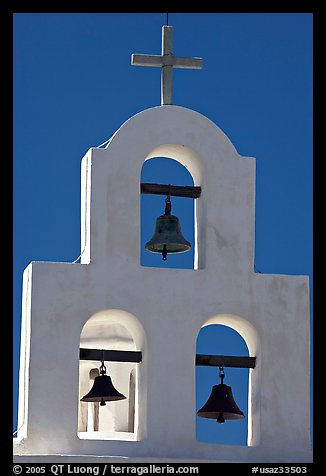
165, 308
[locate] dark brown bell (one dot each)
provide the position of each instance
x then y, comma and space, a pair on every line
102, 390
221, 405
168, 237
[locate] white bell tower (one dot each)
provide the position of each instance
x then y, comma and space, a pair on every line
108, 304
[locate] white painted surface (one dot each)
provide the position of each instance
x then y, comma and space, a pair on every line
164, 309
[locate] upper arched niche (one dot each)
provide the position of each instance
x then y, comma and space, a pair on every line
192, 161
167, 170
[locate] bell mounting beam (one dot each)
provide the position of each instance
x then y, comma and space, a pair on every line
172, 190
111, 355
225, 361
136, 357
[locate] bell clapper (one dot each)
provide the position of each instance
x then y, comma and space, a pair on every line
164, 253
220, 418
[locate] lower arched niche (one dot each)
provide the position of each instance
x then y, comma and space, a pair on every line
229, 334
113, 329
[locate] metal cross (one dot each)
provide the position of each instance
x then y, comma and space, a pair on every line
167, 61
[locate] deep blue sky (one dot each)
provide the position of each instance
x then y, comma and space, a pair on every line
74, 87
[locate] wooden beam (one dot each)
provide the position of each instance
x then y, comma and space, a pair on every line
110, 355
225, 361
136, 356
173, 190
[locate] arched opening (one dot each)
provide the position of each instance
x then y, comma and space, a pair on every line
229, 335
112, 330
163, 170
173, 164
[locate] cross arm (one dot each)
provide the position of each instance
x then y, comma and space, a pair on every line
146, 60
187, 63
166, 60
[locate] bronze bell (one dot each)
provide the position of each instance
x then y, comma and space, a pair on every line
221, 405
167, 236
103, 389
